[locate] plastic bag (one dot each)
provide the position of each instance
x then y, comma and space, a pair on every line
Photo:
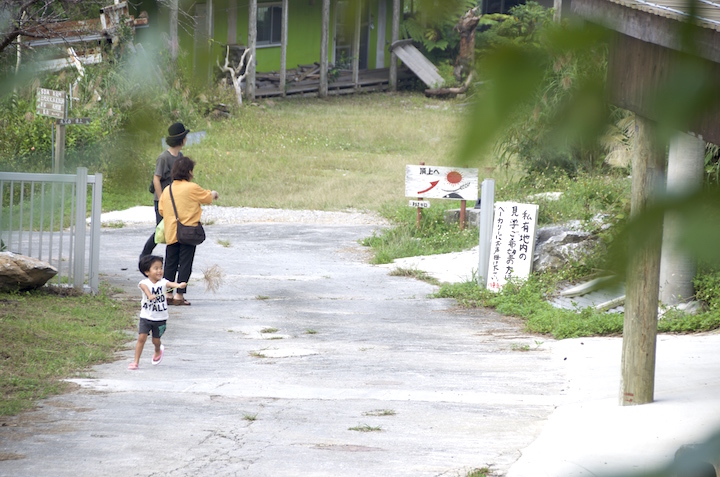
160, 232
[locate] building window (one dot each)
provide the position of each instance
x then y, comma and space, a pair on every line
501, 6
269, 24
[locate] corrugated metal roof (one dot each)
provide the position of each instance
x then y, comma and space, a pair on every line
707, 12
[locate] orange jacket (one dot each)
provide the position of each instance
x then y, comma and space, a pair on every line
188, 197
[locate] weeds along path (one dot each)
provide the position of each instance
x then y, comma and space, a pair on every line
307, 361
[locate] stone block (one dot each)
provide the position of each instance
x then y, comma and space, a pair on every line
472, 217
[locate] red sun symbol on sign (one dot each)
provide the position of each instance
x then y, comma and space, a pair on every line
454, 177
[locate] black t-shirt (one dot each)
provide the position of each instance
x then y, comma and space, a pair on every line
163, 167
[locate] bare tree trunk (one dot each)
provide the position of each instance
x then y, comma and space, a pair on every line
356, 46
324, 38
174, 43
234, 71
394, 36
465, 61
251, 43
283, 46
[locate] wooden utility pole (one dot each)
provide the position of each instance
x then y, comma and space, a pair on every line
174, 44
283, 46
394, 36
59, 164
210, 25
356, 46
251, 42
324, 38
643, 272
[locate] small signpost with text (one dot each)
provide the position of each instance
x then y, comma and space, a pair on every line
53, 103
50, 103
435, 182
513, 243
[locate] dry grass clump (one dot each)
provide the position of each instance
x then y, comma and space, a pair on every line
214, 278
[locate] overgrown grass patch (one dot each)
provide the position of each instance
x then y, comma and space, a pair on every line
45, 337
529, 301
365, 428
414, 273
583, 197
406, 239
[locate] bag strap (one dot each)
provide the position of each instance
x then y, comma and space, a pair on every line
173, 203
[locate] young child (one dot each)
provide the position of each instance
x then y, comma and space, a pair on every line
153, 313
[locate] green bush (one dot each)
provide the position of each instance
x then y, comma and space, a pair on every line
555, 128
432, 27
130, 99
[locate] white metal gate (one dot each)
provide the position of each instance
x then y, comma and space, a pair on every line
44, 216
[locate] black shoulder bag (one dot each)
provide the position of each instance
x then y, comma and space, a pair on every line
186, 234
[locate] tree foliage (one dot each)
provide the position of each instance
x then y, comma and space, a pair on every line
557, 110
432, 25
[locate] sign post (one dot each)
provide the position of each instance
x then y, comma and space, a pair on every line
435, 182
419, 209
513, 243
52, 103
487, 201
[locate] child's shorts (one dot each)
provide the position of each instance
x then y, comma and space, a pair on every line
157, 327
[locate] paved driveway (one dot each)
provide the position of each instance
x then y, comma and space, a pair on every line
307, 362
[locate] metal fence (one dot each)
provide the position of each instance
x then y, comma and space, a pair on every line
44, 216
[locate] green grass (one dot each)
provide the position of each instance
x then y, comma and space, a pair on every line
45, 337
343, 152
365, 428
380, 412
406, 239
529, 301
484, 472
583, 197
414, 273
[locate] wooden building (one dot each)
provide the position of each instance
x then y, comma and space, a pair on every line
300, 46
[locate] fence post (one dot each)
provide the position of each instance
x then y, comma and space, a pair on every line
95, 233
80, 231
487, 209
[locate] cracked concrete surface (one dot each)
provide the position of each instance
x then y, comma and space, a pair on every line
229, 399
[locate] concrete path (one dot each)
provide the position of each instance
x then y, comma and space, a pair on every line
307, 362
310, 362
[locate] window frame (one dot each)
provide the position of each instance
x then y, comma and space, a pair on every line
269, 43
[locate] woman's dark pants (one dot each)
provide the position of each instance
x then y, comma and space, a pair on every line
178, 263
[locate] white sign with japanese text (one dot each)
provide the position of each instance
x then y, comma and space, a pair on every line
513, 243
434, 182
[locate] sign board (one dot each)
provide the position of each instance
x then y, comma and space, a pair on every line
434, 182
422, 204
74, 121
513, 243
50, 103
